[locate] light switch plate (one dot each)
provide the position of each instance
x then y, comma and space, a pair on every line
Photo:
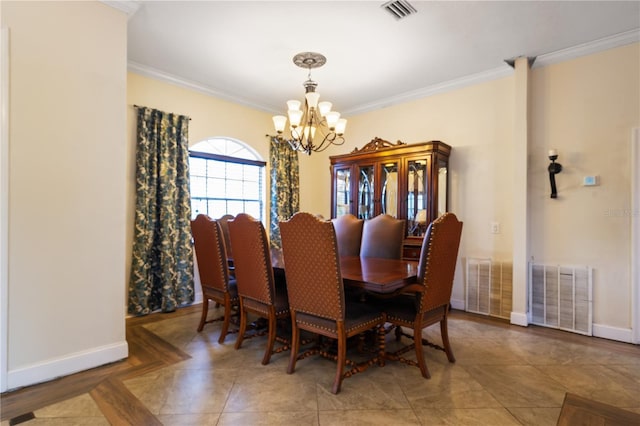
495, 227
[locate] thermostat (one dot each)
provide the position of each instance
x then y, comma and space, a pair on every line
590, 181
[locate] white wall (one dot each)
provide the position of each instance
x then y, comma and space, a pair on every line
67, 179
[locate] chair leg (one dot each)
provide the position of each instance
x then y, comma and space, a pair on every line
205, 309
243, 325
272, 337
381, 336
342, 358
398, 332
417, 341
444, 332
295, 344
226, 320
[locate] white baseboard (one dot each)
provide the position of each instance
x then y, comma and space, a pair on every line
458, 304
612, 333
519, 318
63, 366
197, 296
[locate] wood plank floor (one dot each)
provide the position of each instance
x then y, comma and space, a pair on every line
577, 410
148, 352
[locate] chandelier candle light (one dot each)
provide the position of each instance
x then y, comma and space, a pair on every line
316, 119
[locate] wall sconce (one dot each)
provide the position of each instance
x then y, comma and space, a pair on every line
554, 168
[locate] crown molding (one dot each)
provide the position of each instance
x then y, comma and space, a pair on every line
191, 85
574, 52
606, 43
611, 42
130, 7
424, 92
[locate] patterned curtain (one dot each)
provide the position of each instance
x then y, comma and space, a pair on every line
285, 186
162, 261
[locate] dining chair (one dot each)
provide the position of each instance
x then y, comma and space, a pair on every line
348, 234
427, 302
213, 268
258, 290
382, 236
224, 225
316, 293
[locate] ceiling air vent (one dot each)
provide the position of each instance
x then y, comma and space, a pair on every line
399, 8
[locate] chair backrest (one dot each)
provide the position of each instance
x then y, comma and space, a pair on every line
441, 258
424, 251
252, 259
348, 234
312, 266
210, 252
382, 236
224, 224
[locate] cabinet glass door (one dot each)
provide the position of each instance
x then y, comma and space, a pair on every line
417, 197
343, 192
366, 188
389, 196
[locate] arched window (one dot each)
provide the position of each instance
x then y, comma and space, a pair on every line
227, 177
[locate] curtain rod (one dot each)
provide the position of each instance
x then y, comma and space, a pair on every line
138, 106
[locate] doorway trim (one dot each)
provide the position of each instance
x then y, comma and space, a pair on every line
4, 206
635, 235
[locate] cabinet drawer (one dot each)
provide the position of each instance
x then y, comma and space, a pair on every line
411, 252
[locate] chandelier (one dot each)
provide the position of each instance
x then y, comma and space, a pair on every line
314, 127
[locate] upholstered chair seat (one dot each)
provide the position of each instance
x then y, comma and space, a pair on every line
258, 290
213, 268
427, 302
316, 292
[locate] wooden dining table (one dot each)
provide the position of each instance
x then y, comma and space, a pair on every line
377, 275
372, 274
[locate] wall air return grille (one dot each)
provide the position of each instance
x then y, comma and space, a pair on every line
399, 9
489, 287
561, 297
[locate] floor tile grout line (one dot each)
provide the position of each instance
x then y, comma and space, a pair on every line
119, 378
122, 374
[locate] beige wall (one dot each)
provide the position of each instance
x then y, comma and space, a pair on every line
586, 109
477, 122
210, 116
66, 184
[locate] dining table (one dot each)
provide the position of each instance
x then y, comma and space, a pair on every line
375, 275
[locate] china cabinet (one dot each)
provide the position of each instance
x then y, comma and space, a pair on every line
406, 181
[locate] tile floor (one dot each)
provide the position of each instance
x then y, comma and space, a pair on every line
504, 375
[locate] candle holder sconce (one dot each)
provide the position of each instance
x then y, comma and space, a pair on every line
554, 168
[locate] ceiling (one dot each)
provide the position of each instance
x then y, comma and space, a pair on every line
243, 50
